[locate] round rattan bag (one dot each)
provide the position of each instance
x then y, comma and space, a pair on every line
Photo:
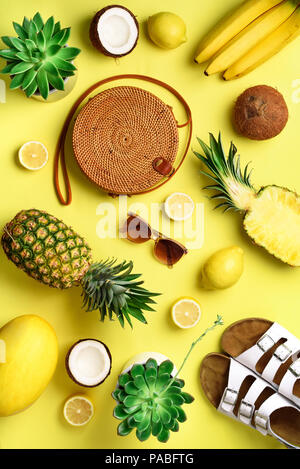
125, 139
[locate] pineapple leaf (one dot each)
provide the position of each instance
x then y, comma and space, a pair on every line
107, 286
231, 183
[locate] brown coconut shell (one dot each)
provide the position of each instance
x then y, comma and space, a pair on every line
69, 371
260, 113
94, 37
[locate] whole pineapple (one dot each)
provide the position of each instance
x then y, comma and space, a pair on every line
52, 253
271, 214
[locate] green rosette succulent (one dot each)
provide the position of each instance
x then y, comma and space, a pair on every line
150, 397
38, 59
150, 400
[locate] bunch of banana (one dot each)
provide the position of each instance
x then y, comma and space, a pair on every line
242, 41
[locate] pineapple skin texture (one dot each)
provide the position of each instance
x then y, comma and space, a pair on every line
46, 249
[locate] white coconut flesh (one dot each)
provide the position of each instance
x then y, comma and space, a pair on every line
117, 31
89, 362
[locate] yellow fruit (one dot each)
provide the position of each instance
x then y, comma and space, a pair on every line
223, 269
166, 30
33, 155
230, 26
179, 206
265, 49
186, 313
78, 410
31, 353
250, 36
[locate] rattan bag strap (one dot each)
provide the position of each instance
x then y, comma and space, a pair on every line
60, 148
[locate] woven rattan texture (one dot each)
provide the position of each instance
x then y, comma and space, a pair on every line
119, 133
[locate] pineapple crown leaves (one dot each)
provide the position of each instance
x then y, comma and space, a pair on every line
225, 172
114, 290
38, 57
150, 397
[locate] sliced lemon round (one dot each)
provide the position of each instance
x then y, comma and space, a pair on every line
186, 313
179, 206
33, 155
78, 410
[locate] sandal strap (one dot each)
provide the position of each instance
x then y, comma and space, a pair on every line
282, 353
262, 416
236, 376
247, 408
288, 381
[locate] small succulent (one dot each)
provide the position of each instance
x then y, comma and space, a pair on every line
38, 59
150, 397
150, 400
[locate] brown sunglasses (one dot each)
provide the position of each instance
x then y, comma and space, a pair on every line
166, 250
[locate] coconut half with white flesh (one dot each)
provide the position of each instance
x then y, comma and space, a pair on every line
88, 362
114, 31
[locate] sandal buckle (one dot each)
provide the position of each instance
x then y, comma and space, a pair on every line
282, 352
229, 399
261, 422
295, 368
265, 343
246, 411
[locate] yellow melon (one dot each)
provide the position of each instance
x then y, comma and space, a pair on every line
29, 353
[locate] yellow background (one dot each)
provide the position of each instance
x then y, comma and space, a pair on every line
267, 288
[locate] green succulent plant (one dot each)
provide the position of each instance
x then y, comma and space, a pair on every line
38, 58
150, 397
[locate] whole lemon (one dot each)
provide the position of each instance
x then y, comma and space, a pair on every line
166, 30
223, 269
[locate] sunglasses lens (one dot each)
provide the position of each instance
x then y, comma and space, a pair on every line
168, 252
137, 230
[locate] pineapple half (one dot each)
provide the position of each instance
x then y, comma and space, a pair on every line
52, 253
271, 215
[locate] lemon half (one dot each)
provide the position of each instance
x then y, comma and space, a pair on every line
33, 155
78, 410
179, 206
186, 313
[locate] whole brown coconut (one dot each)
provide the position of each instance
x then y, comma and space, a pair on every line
114, 31
260, 113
